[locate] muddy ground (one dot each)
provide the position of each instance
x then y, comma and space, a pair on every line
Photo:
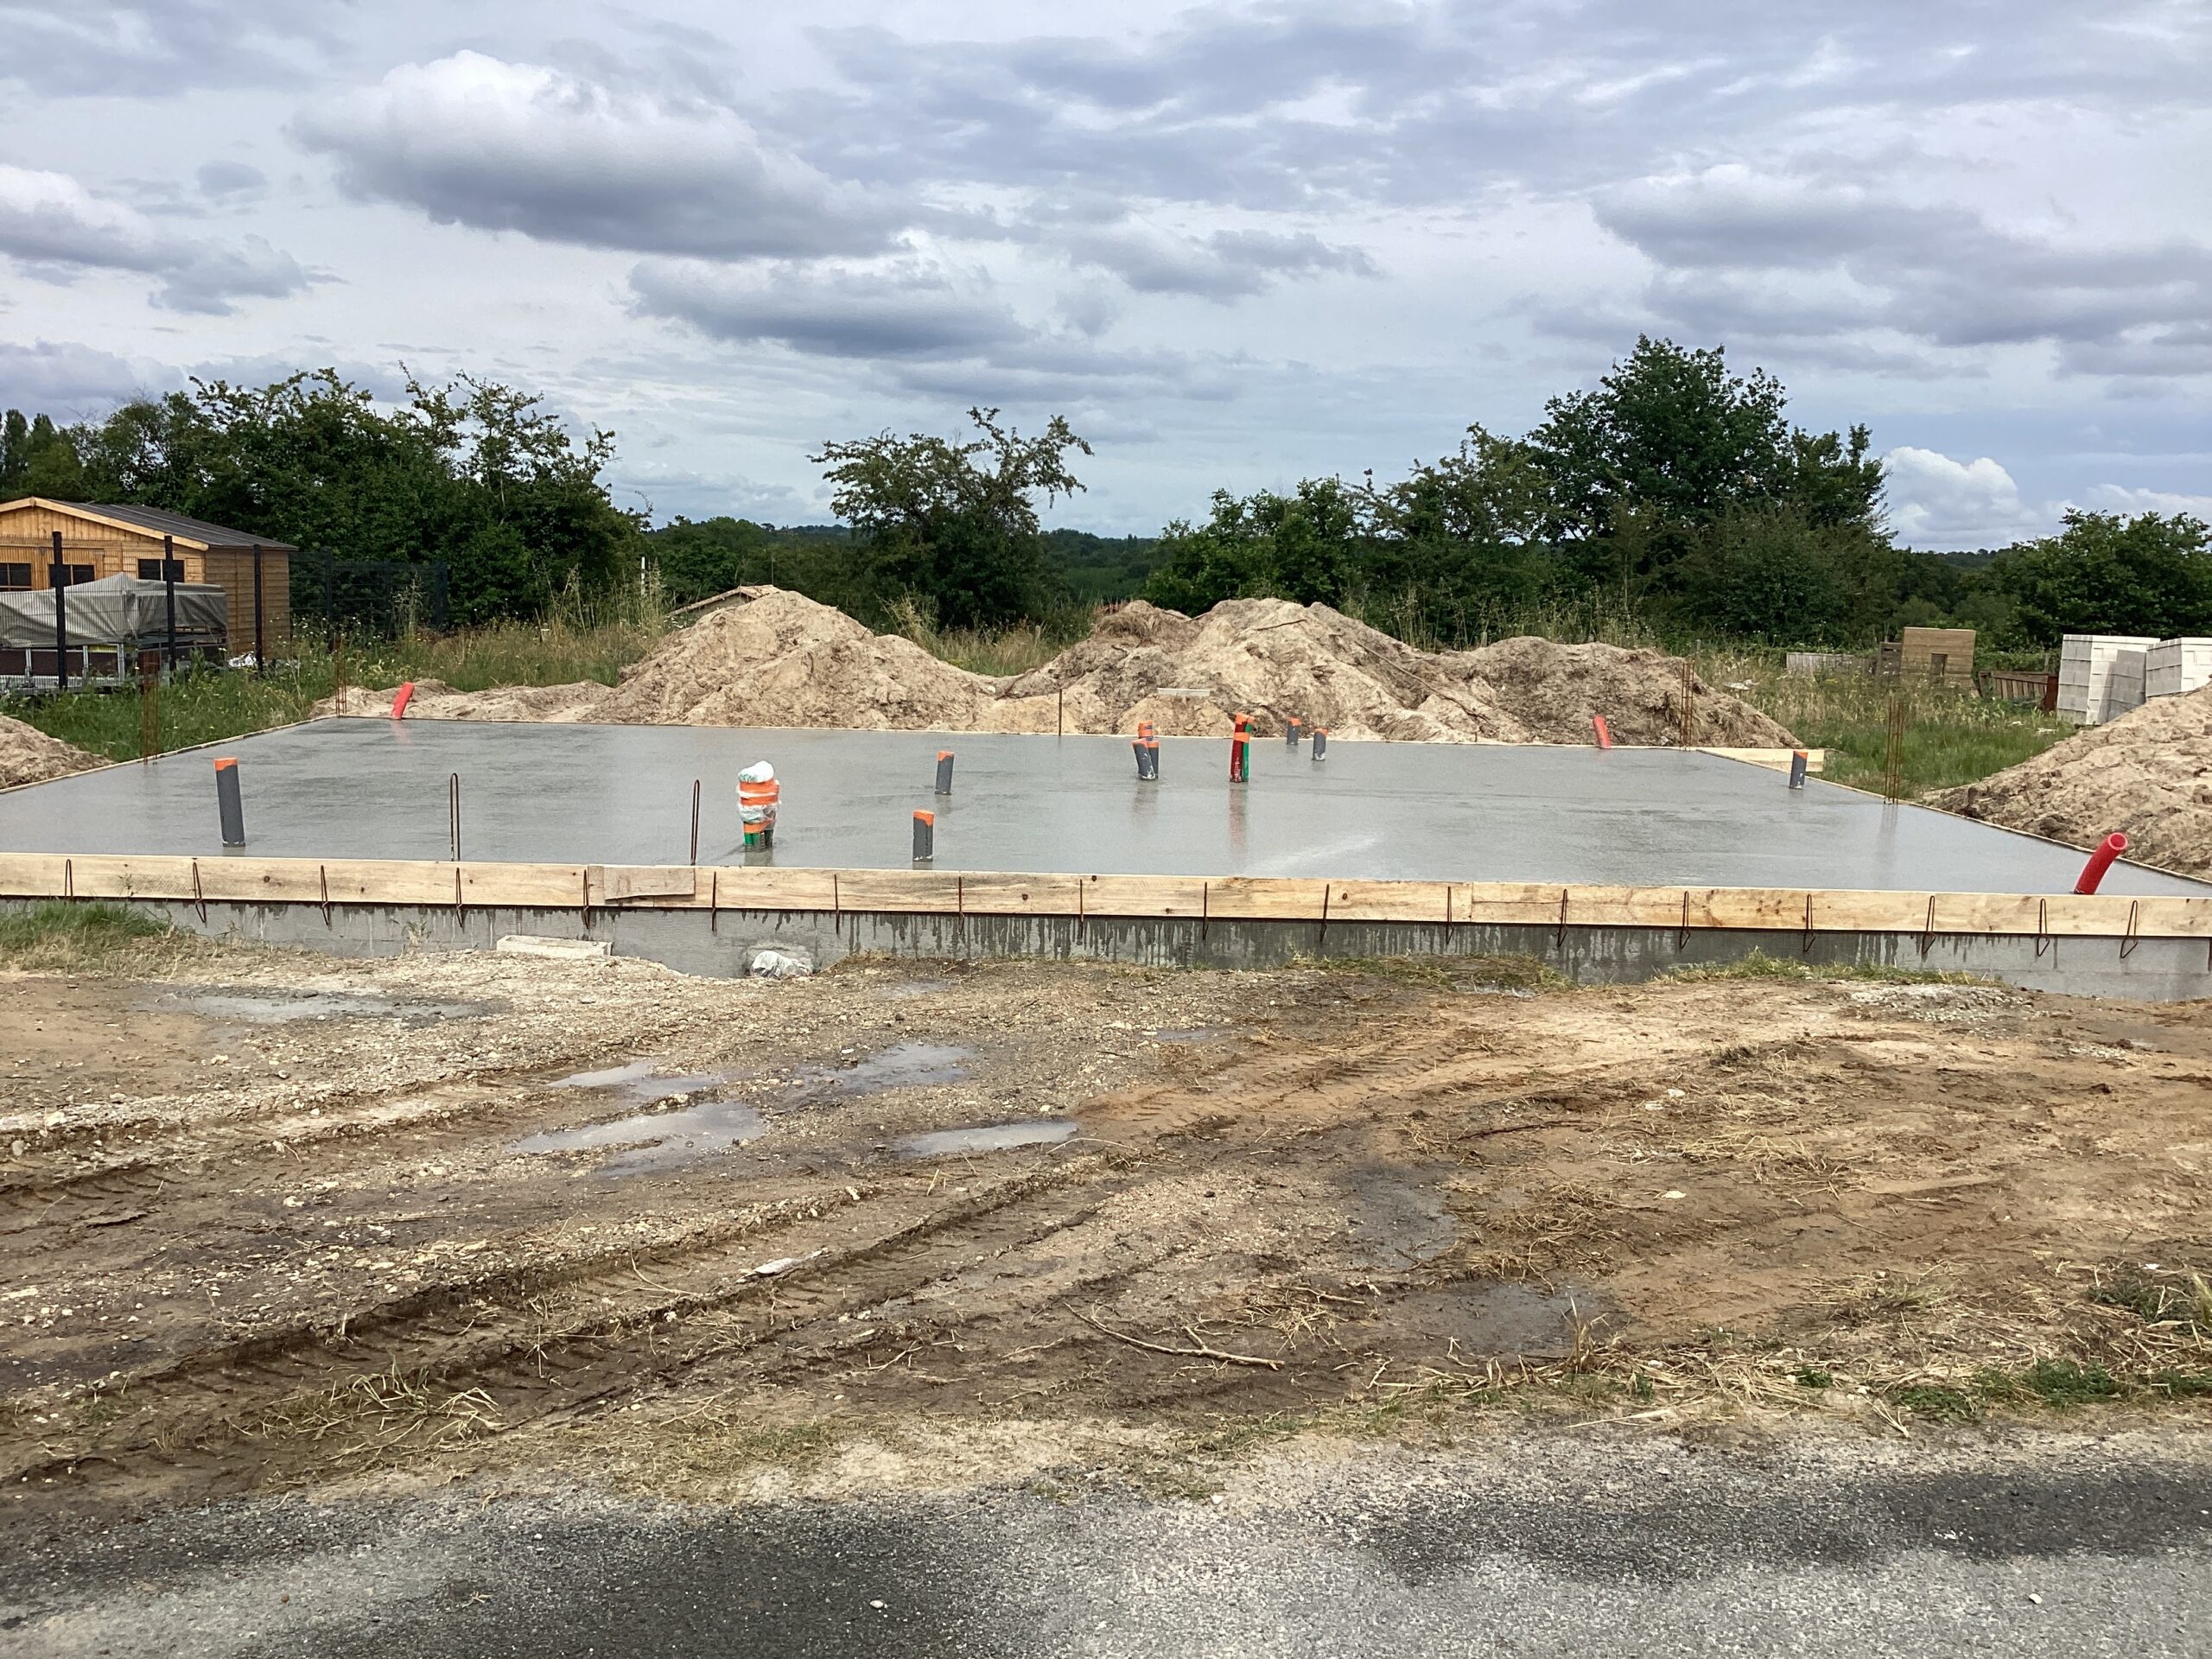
270, 1220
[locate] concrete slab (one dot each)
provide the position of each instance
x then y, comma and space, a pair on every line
622, 794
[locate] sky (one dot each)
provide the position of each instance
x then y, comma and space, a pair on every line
1235, 245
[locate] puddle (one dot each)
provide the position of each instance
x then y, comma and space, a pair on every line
902, 1066
638, 1083
1504, 1320
1400, 1214
914, 988
269, 1008
991, 1137
656, 1140
1190, 1034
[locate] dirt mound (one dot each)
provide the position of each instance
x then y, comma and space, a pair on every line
2147, 774
1281, 661
1552, 690
29, 756
778, 658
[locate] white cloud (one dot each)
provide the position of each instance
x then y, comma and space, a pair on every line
54, 227
2117, 498
65, 379
471, 139
1938, 502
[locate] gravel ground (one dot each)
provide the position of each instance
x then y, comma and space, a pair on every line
2050, 1544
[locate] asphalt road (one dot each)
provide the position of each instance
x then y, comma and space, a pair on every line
2050, 1546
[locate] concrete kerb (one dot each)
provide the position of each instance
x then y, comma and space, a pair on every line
723, 944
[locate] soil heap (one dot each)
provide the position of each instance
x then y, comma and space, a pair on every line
29, 756
777, 658
2147, 774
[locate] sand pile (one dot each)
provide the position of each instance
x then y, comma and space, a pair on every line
2147, 774
1552, 689
1280, 661
29, 756
776, 658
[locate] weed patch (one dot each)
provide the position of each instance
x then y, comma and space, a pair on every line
60, 933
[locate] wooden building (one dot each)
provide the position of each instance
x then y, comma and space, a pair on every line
124, 541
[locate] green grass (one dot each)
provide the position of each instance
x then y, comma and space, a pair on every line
1951, 737
1939, 1405
1001, 652
208, 705
63, 934
2188, 1306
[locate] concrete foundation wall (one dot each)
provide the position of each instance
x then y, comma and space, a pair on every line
723, 946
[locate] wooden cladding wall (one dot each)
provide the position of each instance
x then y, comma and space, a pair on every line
592, 886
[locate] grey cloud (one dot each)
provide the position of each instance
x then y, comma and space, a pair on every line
923, 331
1284, 105
64, 377
829, 312
101, 48
1222, 266
229, 181
475, 140
54, 227
1784, 258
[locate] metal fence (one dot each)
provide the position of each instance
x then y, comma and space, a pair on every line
360, 598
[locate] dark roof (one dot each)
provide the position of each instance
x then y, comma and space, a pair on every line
175, 524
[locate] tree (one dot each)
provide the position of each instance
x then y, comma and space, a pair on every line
472, 475
2105, 573
1306, 547
936, 525
1668, 442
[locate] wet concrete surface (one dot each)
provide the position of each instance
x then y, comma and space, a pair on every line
622, 794
1557, 1547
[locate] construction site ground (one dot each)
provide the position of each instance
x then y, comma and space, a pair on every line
274, 1221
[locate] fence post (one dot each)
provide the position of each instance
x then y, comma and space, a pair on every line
58, 579
260, 654
168, 598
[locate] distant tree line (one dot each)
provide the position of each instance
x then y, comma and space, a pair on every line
1674, 493
1680, 494
472, 474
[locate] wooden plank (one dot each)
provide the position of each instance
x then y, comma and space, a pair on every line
614, 884
1816, 760
235, 878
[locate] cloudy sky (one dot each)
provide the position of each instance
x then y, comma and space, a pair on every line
1236, 244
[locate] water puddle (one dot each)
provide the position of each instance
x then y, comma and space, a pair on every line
654, 1138
1504, 1320
252, 1006
991, 1137
913, 987
1400, 1214
902, 1066
658, 1141
1190, 1034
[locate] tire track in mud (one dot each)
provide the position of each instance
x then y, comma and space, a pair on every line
563, 1337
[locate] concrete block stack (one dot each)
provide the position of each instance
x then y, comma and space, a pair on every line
2173, 667
2101, 676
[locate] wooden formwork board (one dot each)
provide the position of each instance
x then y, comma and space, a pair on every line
611, 886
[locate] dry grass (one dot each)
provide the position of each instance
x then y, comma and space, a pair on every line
383, 1417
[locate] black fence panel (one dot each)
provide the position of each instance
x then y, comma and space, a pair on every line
363, 598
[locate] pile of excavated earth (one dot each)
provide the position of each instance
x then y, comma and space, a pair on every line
29, 756
2147, 774
772, 658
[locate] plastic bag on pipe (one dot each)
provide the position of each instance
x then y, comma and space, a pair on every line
759, 773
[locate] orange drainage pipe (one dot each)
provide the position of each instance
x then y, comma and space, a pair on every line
944, 772
405, 695
925, 836
1240, 750
1605, 736
2100, 861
